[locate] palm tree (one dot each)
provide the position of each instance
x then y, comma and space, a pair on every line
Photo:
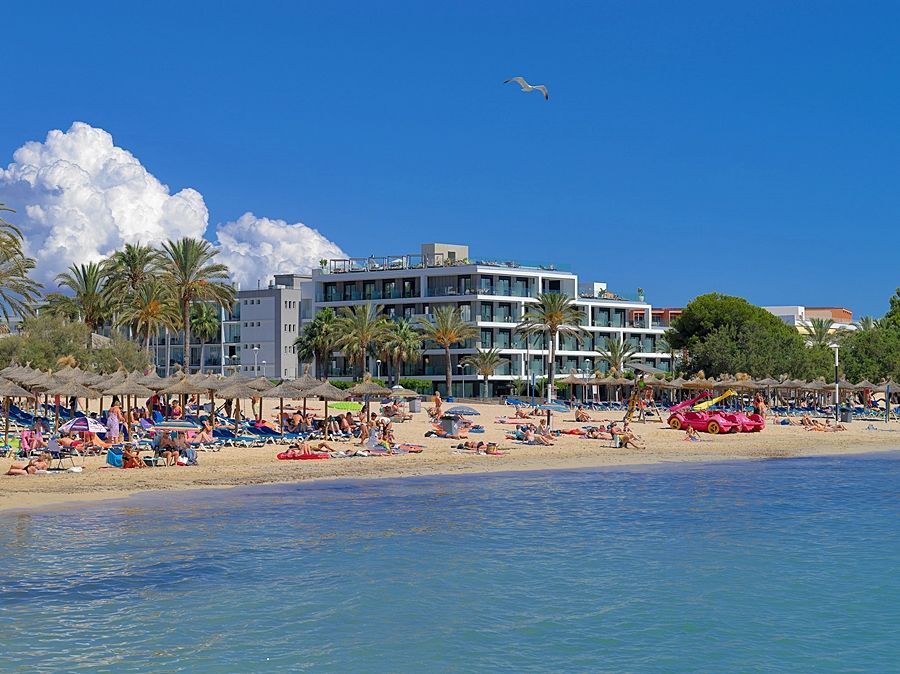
126, 271
820, 332
618, 354
318, 339
361, 329
485, 364
18, 291
867, 324
204, 324
448, 329
187, 266
402, 343
152, 308
87, 302
554, 314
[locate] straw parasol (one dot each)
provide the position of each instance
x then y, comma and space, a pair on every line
236, 391
327, 392
128, 388
282, 391
184, 387
304, 381
9, 390
68, 389
366, 389
400, 392
9, 369
152, 381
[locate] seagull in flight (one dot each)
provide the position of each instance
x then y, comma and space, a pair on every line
527, 87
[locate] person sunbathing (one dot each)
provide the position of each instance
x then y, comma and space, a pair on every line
93, 441
581, 415
439, 432
31, 467
521, 413
597, 434
305, 448
532, 439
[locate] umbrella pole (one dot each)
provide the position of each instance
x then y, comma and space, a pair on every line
326, 421
281, 416
237, 414
6, 421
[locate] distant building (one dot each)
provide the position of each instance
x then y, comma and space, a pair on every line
256, 336
801, 317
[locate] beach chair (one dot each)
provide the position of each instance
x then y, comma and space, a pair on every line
59, 453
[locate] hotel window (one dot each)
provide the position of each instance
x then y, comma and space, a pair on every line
486, 338
487, 311
503, 339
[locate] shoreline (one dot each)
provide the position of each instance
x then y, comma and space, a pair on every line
54, 501
237, 467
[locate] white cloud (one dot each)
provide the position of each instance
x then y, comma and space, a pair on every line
257, 248
79, 197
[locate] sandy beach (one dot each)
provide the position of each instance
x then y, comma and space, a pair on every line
234, 466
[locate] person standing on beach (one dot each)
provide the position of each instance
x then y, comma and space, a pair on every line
437, 402
113, 421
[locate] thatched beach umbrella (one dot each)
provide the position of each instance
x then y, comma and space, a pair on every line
9, 390
327, 392
128, 388
68, 389
366, 389
235, 392
400, 392
282, 391
152, 381
9, 369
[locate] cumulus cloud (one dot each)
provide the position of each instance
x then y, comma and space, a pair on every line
256, 248
79, 197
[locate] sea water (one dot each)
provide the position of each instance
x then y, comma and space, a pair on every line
759, 566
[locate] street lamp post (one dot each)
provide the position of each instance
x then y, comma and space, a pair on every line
378, 368
837, 391
264, 368
255, 356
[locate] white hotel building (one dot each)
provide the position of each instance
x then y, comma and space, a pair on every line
493, 295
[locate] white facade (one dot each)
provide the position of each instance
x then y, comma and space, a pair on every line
494, 297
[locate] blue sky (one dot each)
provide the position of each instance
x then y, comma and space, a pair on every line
745, 148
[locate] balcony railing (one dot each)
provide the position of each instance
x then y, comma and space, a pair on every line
418, 261
356, 296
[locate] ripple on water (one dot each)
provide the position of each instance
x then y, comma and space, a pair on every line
760, 566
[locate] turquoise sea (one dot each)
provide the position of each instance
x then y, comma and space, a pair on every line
762, 566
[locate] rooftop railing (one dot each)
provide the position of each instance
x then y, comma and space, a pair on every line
418, 261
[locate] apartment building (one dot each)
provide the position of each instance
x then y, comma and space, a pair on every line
493, 295
256, 334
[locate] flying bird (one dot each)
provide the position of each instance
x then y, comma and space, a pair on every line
527, 87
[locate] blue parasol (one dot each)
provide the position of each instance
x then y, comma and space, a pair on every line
463, 410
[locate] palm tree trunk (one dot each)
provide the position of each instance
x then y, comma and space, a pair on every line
186, 320
551, 368
202, 347
449, 374
168, 352
484, 393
